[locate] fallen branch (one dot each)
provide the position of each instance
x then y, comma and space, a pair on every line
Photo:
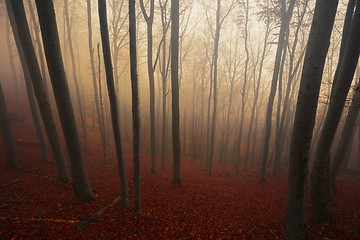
26, 142
40, 220
89, 220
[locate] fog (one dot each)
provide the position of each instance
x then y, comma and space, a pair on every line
227, 68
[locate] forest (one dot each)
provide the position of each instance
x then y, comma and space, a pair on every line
179, 119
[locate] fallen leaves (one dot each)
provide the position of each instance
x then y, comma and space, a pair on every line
224, 206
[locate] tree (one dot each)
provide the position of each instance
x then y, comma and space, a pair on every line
135, 105
29, 91
151, 69
320, 180
29, 63
93, 75
286, 15
51, 41
6, 133
347, 135
175, 91
73, 64
113, 100
317, 47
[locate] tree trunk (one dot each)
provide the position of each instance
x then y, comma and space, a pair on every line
175, 91
6, 133
214, 77
28, 60
112, 98
346, 136
286, 15
51, 41
75, 79
39, 45
243, 94
93, 75
320, 192
305, 114
135, 105
149, 21
12, 64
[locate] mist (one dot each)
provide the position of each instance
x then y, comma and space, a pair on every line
153, 104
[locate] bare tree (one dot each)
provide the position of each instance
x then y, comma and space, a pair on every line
113, 100
135, 105
149, 18
93, 75
75, 78
175, 91
286, 15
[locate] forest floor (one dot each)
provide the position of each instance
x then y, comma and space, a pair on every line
33, 205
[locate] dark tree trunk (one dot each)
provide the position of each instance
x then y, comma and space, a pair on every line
175, 91
6, 133
320, 191
30, 94
346, 136
305, 114
28, 60
51, 41
112, 98
135, 105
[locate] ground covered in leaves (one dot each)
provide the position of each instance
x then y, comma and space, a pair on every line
33, 205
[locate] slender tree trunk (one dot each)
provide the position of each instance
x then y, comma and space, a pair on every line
215, 76
305, 114
175, 91
112, 98
320, 192
12, 64
93, 75
77, 87
102, 114
135, 104
286, 15
28, 59
243, 94
149, 21
39, 45
256, 95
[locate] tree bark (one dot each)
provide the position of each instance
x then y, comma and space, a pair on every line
135, 105
317, 47
149, 21
29, 63
113, 100
51, 41
346, 136
6, 133
175, 91
320, 185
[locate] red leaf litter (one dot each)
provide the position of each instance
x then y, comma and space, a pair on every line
33, 205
